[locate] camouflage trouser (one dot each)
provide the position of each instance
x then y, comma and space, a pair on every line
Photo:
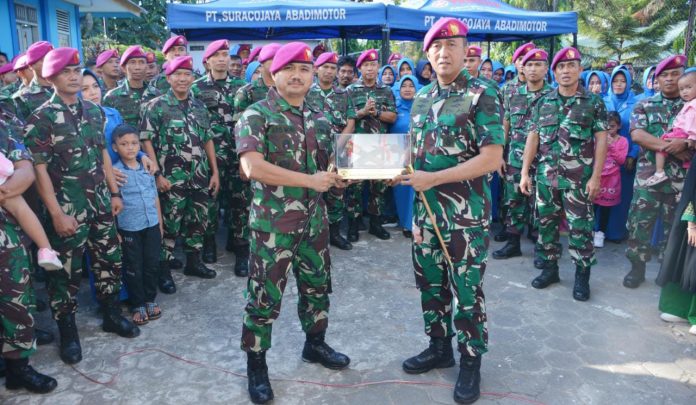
240, 200
269, 264
520, 207
184, 212
220, 201
96, 233
469, 252
354, 200
646, 207
335, 204
16, 322
579, 211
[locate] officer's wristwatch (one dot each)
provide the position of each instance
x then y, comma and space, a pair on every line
116, 194
158, 173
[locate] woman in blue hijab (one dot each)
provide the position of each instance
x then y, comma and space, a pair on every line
596, 82
648, 90
251, 70
405, 90
621, 99
390, 78
424, 72
409, 69
510, 73
498, 72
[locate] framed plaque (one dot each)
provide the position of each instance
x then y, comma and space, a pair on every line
372, 156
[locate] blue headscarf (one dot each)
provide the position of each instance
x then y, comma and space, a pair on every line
690, 69
583, 75
489, 60
602, 79
403, 107
499, 66
234, 50
613, 101
646, 75
419, 70
381, 72
509, 68
407, 61
251, 68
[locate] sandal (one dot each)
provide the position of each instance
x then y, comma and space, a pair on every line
140, 316
153, 310
656, 179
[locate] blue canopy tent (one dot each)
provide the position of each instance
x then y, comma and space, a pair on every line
488, 20
277, 19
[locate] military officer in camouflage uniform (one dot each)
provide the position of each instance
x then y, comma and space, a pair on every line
520, 207
568, 132
74, 178
133, 93
173, 48
338, 109
238, 238
457, 139
375, 110
511, 86
216, 90
17, 341
284, 146
176, 133
39, 90
109, 68
651, 118
472, 61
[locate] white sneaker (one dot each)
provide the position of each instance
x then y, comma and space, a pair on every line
672, 318
692, 330
599, 239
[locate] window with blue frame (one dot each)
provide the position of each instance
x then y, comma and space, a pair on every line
27, 25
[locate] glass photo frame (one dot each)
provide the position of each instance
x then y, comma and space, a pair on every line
372, 156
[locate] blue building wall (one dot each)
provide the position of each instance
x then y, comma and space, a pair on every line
48, 25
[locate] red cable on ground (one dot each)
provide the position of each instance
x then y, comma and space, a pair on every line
114, 377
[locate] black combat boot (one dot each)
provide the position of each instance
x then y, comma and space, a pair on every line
70, 349
636, 276
353, 234
209, 249
194, 266
114, 322
539, 263
377, 229
317, 351
165, 280
548, 276
361, 223
21, 375
229, 246
259, 386
501, 235
43, 337
438, 355
468, 387
241, 260
581, 289
511, 248
2, 367
175, 264
336, 239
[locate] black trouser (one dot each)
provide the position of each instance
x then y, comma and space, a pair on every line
141, 252
603, 218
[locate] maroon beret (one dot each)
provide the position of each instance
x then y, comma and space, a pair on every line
326, 57
6, 68
178, 40
150, 57
445, 28
566, 54
394, 57
57, 59
134, 51
522, 50
535, 54
293, 52
670, 62
180, 62
268, 52
20, 63
105, 56
220, 44
473, 51
367, 56
254, 53
38, 50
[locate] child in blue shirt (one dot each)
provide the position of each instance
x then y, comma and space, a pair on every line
140, 226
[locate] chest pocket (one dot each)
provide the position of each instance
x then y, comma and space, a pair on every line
518, 109
580, 119
70, 152
176, 134
657, 115
454, 135
284, 146
360, 99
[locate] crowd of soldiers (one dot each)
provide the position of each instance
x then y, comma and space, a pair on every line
260, 153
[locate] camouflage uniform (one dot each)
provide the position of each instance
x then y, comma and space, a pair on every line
29, 98
178, 131
448, 129
338, 108
517, 113
240, 197
218, 97
278, 214
384, 101
654, 115
16, 296
129, 102
566, 155
70, 143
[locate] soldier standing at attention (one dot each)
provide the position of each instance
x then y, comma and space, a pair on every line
176, 134
173, 48
472, 61
375, 110
76, 184
651, 118
568, 132
110, 71
133, 93
457, 140
284, 146
238, 238
520, 206
338, 108
216, 90
39, 89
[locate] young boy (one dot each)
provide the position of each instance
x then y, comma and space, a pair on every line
140, 226
684, 126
